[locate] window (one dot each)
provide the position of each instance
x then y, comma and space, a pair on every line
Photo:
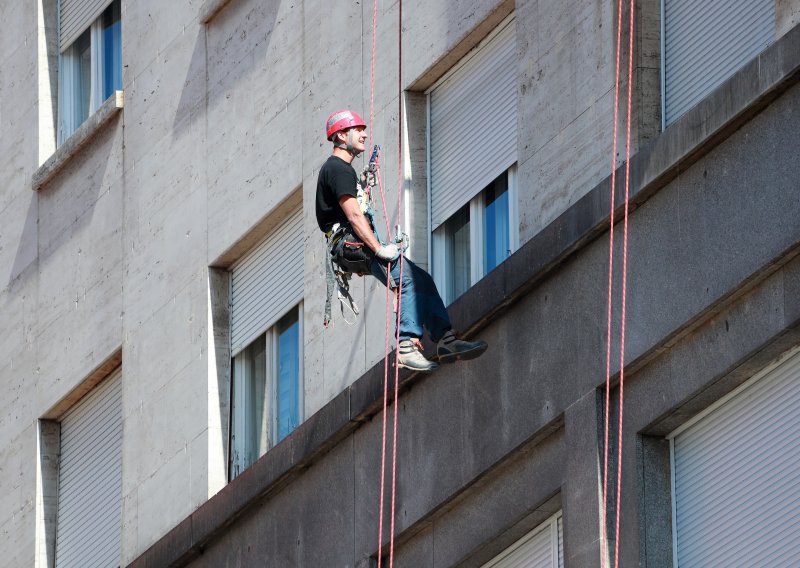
89, 516
267, 393
266, 343
472, 152
476, 238
90, 66
736, 475
543, 547
704, 43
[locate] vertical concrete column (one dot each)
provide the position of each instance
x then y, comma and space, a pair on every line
416, 175
219, 378
582, 494
47, 492
47, 69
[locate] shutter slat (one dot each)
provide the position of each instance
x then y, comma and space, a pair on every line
75, 16
88, 528
479, 99
267, 282
707, 42
737, 477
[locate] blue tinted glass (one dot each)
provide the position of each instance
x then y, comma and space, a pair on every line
495, 222
112, 50
288, 383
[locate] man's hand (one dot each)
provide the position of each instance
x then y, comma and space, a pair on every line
368, 178
387, 253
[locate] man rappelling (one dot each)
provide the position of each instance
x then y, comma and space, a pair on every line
344, 214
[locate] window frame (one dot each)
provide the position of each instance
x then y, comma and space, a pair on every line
242, 393
741, 390
551, 524
437, 249
68, 121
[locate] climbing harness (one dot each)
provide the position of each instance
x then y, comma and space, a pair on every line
604, 555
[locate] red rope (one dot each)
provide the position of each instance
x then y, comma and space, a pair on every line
623, 316
624, 288
385, 395
388, 297
604, 539
400, 280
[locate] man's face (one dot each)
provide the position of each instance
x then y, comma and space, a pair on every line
358, 138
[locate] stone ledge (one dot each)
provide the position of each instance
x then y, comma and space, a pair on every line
211, 8
724, 111
75, 143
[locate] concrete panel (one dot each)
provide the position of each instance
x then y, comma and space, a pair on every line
17, 501
503, 506
787, 16
80, 290
149, 26
161, 498
293, 528
441, 33
565, 148
166, 98
21, 17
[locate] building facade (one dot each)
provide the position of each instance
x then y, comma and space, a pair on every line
171, 398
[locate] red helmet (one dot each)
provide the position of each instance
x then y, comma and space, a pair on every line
342, 120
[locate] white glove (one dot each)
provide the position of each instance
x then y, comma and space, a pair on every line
388, 253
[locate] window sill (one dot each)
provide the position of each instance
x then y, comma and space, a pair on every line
78, 140
210, 8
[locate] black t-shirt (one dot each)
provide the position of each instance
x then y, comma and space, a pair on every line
336, 179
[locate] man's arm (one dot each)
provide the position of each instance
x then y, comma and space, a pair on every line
359, 222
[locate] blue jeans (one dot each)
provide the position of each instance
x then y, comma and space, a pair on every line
420, 302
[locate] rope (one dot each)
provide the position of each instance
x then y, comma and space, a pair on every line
388, 298
388, 277
604, 538
400, 279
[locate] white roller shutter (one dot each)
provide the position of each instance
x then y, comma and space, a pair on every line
473, 124
736, 477
267, 282
88, 527
75, 17
543, 547
705, 42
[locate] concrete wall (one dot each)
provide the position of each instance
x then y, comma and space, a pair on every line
121, 256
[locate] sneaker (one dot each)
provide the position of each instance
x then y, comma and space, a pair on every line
451, 349
411, 358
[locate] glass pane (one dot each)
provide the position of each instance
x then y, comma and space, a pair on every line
496, 246
112, 49
457, 253
249, 405
83, 84
287, 411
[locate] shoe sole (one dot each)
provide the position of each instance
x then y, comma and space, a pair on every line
463, 355
419, 369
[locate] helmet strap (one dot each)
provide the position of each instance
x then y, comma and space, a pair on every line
349, 146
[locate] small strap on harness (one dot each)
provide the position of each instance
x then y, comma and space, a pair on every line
339, 278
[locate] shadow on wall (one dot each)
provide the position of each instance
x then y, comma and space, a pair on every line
67, 202
235, 57
28, 241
